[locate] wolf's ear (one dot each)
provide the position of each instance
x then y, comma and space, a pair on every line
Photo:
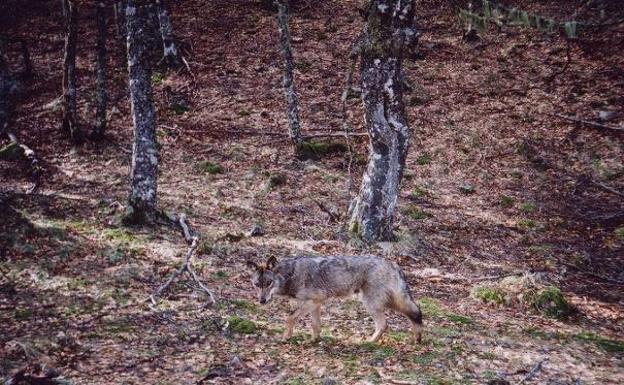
271, 262
251, 264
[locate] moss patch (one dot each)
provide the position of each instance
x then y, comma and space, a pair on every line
209, 167
610, 346
313, 149
241, 325
549, 301
416, 213
489, 295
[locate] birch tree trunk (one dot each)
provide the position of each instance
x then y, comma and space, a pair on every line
292, 104
69, 74
170, 50
372, 211
144, 173
100, 72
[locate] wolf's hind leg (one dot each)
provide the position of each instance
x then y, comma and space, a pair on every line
404, 304
376, 310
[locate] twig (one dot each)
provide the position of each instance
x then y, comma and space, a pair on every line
533, 371
552, 77
589, 123
607, 188
193, 240
332, 216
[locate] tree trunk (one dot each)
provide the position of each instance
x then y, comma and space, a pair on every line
294, 124
142, 200
372, 211
120, 22
8, 89
100, 72
69, 74
170, 50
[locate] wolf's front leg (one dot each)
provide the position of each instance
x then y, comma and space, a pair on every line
316, 322
293, 317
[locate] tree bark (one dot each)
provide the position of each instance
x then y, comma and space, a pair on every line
294, 124
144, 173
170, 51
8, 89
100, 72
69, 74
372, 211
120, 22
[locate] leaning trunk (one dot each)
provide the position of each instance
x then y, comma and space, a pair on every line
69, 73
372, 211
100, 72
142, 201
170, 50
292, 104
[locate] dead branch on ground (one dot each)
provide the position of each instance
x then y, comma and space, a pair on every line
192, 238
588, 122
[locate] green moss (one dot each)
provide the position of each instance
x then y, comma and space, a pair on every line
276, 180
245, 305
608, 345
416, 213
528, 207
241, 325
459, 319
427, 358
220, 274
619, 233
424, 159
489, 294
398, 335
313, 149
505, 201
549, 301
418, 193
526, 224
430, 306
209, 167
157, 78
22, 314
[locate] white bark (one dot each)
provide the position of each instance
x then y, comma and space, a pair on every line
372, 211
292, 103
142, 201
170, 50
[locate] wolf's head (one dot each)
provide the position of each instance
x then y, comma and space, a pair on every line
265, 280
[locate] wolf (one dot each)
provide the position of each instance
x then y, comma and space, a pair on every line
380, 284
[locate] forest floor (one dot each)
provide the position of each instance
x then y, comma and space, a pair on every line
495, 187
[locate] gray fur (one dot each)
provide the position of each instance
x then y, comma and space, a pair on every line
379, 283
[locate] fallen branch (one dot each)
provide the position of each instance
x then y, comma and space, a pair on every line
588, 122
30, 155
533, 371
187, 266
607, 188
